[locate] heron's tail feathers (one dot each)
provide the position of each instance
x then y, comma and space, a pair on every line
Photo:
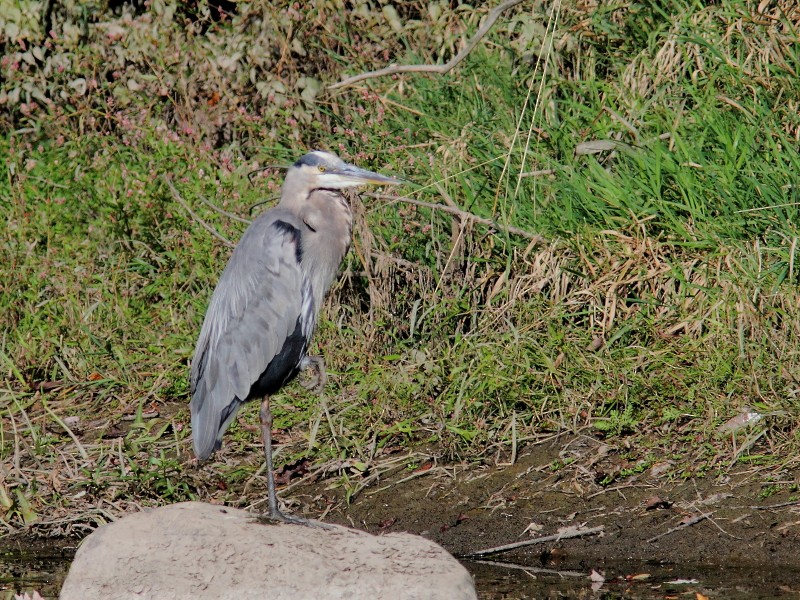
210, 419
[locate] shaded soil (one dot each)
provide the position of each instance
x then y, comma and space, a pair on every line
733, 536
727, 522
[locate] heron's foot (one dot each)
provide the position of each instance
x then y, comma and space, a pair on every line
316, 380
278, 517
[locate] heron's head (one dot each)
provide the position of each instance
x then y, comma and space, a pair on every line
323, 170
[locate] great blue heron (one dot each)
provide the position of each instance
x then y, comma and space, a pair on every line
264, 309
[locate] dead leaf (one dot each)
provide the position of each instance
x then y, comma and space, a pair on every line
553, 557
745, 417
596, 344
597, 579
655, 502
569, 517
660, 468
714, 499
74, 423
25, 596
532, 529
690, 519
114, 432
299, 468
49, 386
598, 146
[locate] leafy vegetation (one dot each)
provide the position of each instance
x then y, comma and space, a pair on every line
639, 283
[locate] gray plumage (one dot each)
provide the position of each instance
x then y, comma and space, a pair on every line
264, 309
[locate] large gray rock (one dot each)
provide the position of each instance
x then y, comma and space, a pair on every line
197, 551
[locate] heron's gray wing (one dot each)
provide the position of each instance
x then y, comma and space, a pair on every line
254, 308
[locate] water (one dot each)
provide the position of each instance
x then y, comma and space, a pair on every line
41, 568
44, 568
634, 581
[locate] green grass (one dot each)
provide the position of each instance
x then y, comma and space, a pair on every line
664, 300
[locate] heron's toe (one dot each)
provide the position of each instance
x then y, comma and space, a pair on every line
317, 377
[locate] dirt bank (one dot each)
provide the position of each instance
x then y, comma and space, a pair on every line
729, 531
743, 518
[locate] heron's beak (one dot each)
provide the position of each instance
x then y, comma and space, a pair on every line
353, 175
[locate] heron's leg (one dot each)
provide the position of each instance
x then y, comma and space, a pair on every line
317, 380
266, 433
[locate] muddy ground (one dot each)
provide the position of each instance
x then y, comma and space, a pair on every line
740, 530
725, 521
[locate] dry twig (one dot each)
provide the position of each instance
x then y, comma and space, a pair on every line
539, 173
464, 215
779, 505
530, 570
440, 69
194, 215
222, 211
66, 428
689, 523
540, 540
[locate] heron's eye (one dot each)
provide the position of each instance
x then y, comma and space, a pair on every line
321, 169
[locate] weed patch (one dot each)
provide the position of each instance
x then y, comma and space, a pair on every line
650, 152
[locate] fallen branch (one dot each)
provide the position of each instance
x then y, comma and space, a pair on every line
194, 215
531, 570
689, 523
414, 475
779, 505
538, 173
540, 540
462, 214
222, 211
65, 427
440, 69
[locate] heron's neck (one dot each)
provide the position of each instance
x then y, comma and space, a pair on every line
326, 238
